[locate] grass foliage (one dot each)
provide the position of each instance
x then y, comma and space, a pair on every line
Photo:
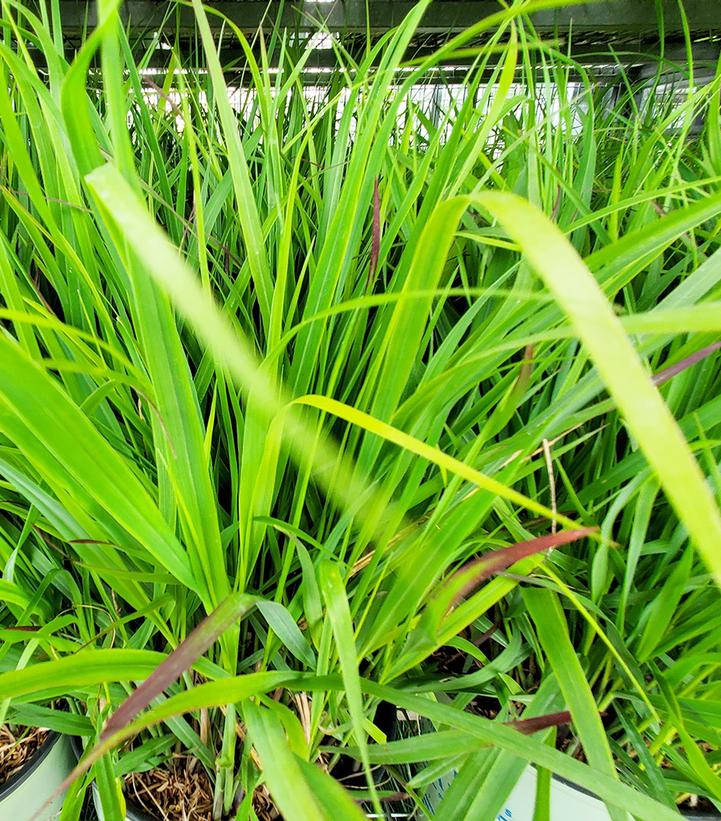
304, 354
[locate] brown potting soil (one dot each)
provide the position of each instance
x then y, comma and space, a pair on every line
17, 748
181, 791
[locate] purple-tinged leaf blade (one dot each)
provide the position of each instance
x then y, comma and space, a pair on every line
376, 232
464, 581
478, 570
227, 613
181, 659
672, 370
527, 726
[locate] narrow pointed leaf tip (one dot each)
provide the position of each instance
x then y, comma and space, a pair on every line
665, 374
465, 580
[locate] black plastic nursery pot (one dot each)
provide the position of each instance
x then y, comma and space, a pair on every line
132, 811
568, 801
27, 791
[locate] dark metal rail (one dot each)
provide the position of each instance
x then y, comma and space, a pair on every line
608, 17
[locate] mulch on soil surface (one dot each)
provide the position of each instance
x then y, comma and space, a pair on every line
181, 791
177, 791
16, 748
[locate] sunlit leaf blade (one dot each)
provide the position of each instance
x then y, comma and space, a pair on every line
645, 413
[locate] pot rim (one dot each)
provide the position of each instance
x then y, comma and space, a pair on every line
136, 813
30, 766
132, 811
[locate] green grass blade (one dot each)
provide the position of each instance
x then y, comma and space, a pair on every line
645, 412
282, 770
552, 628
341, 623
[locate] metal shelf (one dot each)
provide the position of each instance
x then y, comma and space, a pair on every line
627, 28
608, 18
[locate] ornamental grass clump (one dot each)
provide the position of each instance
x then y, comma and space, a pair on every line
321, 404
